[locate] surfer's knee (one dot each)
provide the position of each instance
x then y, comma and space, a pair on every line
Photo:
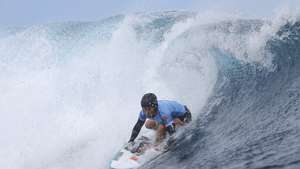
151, 124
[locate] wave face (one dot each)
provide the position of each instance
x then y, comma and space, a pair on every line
252, 118
70, 91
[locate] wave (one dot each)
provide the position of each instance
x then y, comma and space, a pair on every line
251, 120
70, 91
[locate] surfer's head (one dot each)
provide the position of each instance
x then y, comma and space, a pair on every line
149, 104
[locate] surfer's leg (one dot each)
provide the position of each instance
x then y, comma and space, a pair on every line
188, 115
160, 133
178, 122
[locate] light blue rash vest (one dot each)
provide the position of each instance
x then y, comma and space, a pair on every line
167, 111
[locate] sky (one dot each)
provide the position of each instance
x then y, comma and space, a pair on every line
30, 12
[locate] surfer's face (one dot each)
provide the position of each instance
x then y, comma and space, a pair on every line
150, 111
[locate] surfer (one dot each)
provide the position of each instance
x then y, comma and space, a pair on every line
163, 116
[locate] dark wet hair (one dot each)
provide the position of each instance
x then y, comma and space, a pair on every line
149, 100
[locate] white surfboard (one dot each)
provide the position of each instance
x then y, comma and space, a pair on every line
132, 158
125, 160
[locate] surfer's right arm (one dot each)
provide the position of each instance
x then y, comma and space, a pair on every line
137, 127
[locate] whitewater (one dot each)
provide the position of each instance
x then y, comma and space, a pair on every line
70, 91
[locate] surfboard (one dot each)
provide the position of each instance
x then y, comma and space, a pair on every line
134, 156
125, 160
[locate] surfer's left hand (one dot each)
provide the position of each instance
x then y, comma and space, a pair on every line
129, 145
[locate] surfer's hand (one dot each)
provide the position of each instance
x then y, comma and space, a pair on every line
129, 145
161, 147
158, 147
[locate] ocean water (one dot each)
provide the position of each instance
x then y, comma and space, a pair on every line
70, 91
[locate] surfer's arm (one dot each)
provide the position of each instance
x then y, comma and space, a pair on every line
136, 129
